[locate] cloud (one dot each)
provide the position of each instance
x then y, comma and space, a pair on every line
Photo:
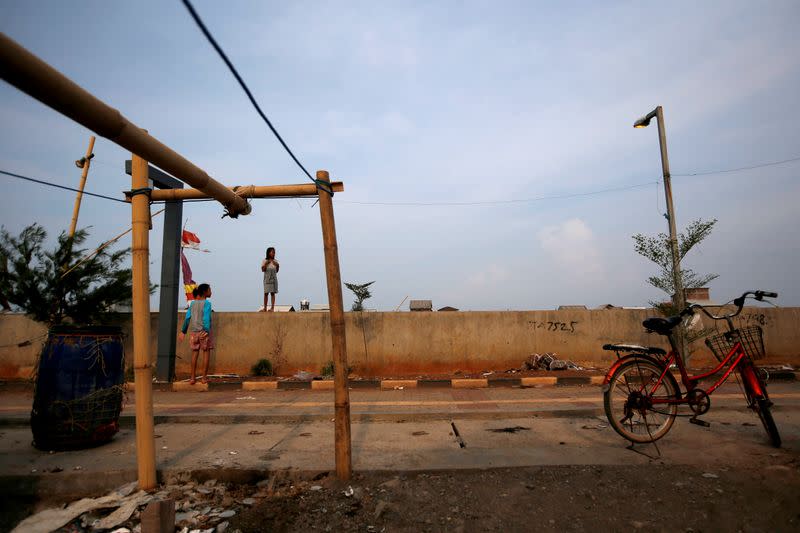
488, 277
572, 247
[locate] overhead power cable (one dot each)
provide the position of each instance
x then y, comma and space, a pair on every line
501, 202
723, 171
50, 184
442, 204
236, 75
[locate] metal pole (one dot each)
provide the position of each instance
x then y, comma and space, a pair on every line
86, 162
344, 463
31, 75
142, 367
170, 290
679, 298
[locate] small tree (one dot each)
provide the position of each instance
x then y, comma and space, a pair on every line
658, 250
361, 293
55, 286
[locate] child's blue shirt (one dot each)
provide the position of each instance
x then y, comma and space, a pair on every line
200, 320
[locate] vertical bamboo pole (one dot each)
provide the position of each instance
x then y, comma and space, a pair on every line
341, 395
82, 184
143, 373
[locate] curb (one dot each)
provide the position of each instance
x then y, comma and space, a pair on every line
399, 384
129, 421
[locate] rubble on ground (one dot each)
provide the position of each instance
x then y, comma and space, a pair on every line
199, 507
548, 361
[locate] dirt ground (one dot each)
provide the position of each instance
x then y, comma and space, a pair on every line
565, 498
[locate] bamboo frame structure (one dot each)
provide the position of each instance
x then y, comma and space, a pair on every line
87, 161
247, 191
142, 367
344, 463
31, 75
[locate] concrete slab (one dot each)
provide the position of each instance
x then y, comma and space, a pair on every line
326, 384
543, 380
185, 386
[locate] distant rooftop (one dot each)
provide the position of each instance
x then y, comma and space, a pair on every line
420, 305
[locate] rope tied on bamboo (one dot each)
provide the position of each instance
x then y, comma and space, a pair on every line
140, 190
324, 185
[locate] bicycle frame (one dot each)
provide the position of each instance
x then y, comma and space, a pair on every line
690, 382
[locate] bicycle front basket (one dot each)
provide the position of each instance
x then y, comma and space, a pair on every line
751, 337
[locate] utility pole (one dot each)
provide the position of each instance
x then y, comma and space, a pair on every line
86, 161
679, 298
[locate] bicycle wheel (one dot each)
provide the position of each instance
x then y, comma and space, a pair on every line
760, 403
628, 401
762, 408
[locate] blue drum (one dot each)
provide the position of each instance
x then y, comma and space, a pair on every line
79, 388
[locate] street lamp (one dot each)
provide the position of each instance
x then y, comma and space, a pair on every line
678, 298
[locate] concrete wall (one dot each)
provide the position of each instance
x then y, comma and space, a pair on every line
415, 343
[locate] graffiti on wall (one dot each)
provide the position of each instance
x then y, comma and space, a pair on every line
565, 327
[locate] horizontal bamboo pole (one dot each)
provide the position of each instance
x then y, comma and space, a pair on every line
246, 191
31, 75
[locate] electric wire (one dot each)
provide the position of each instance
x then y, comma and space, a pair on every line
50, 184
440, 204
502, 202
246, 89
723, 171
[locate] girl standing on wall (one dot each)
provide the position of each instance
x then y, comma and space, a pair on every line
270, 269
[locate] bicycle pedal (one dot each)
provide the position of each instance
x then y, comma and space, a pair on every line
700, 422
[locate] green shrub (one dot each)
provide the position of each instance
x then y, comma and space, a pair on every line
327, 369
262, 368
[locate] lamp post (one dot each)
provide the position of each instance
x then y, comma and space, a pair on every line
678, 299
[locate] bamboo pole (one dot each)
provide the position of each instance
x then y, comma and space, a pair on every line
245, 191
143, 374
86, 162
344, 463
31, 75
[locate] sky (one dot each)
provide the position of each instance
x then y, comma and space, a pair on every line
435, 103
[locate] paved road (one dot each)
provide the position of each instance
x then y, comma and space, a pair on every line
409, 429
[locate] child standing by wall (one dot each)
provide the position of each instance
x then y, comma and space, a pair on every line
198, 322
270, 268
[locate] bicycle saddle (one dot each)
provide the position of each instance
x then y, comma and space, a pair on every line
662, 326
634, 348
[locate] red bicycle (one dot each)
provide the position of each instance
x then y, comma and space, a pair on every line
642, 396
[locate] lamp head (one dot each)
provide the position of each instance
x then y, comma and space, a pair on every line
642, 122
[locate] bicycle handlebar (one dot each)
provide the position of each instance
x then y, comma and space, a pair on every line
738, 302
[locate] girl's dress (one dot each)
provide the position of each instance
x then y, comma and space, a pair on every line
270, 279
